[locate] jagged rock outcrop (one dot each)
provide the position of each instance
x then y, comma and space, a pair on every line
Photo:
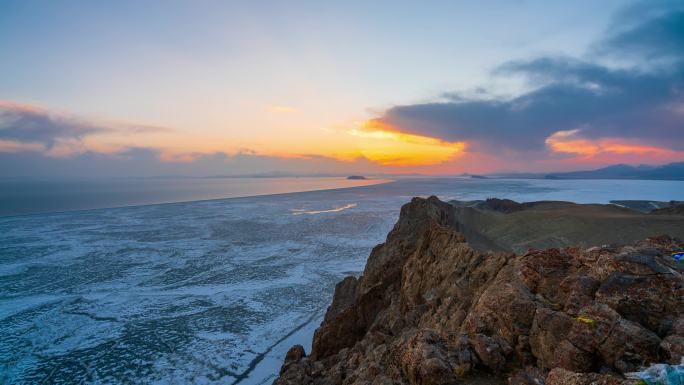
429, 309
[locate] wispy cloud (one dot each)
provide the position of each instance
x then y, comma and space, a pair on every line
31, 127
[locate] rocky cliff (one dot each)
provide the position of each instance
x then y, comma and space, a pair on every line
429, 309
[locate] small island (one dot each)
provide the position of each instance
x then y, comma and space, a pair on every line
356, 177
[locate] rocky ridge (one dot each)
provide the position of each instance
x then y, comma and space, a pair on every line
430, 310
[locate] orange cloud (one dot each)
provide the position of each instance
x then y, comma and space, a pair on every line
607, 149
172, 157
15, 146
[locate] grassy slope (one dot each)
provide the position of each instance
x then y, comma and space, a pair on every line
557, 224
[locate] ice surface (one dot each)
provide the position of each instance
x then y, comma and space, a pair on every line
660, 374
212, 291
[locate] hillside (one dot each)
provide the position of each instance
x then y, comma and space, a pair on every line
505, 225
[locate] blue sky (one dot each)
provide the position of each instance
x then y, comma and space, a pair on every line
81, 55
278, 79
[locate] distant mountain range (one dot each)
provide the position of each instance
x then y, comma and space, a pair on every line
671, 171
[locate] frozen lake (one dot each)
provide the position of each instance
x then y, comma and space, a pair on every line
31, 196
210, 291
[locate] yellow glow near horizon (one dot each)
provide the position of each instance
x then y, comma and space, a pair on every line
286, 136
370, 141
381, 144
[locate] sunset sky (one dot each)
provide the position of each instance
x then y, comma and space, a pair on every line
140, 88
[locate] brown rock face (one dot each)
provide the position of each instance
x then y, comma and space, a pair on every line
431, 310
424, 359
345, 294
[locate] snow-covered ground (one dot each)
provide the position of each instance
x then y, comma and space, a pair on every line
211, 291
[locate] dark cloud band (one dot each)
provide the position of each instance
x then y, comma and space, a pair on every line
644, 101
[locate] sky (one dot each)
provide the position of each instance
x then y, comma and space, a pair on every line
142, 88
